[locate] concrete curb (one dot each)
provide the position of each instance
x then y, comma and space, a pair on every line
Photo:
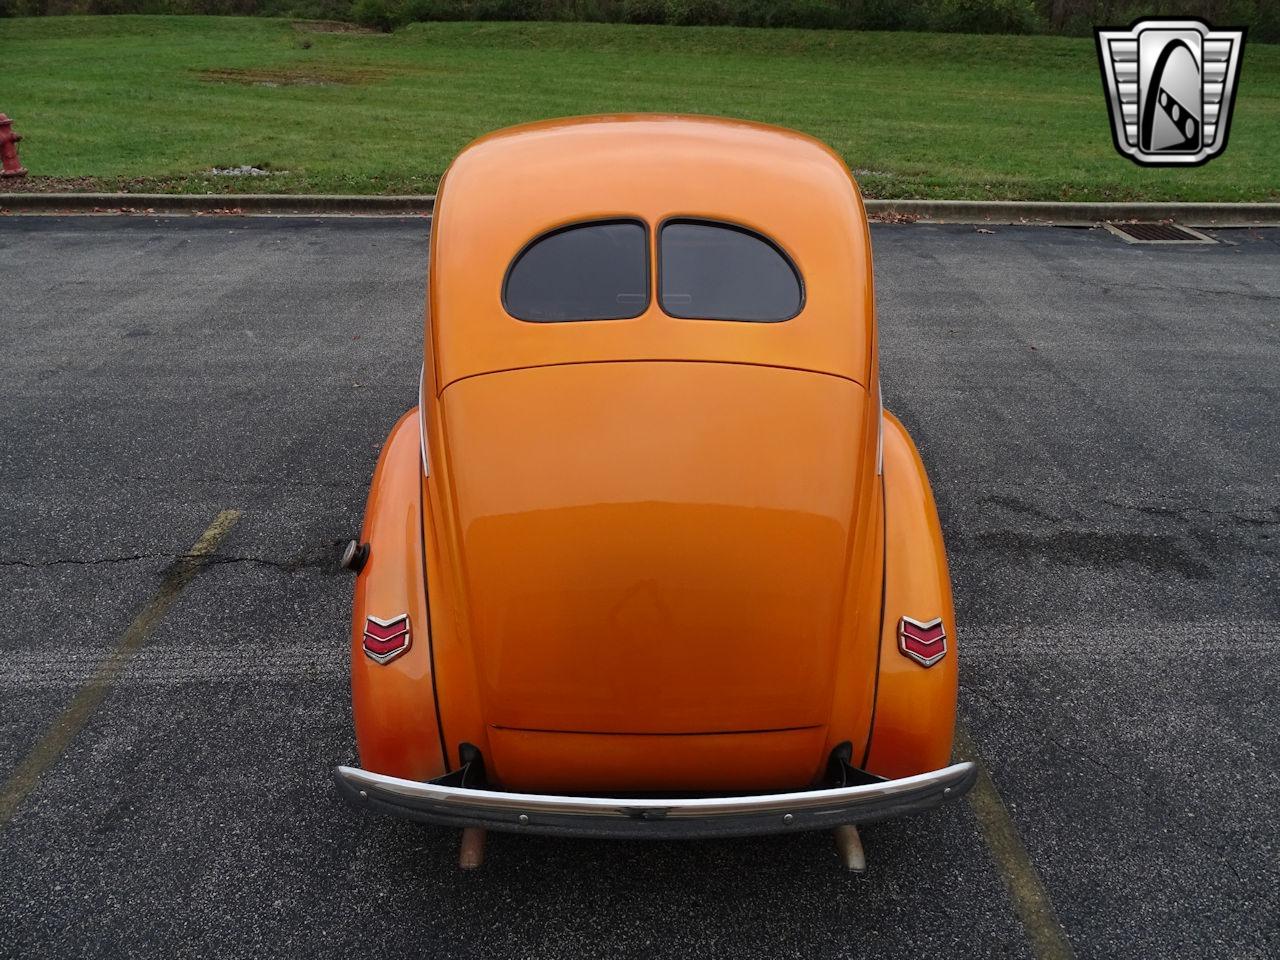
933, 211
226, 204
1068, 214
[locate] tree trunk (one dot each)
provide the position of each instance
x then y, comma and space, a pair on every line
1058, 15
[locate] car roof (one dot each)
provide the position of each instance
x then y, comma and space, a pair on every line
509, 187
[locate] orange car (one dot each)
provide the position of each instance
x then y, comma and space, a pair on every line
648, 559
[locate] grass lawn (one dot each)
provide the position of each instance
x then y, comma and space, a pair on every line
152, 103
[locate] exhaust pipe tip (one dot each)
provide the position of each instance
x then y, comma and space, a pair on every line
354, 556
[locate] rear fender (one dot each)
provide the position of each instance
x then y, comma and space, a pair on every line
915, 708
397, 728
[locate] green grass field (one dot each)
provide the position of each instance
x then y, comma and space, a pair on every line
152, 103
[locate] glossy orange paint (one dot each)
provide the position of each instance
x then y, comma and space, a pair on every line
654, 548
640, 552
395, 713
592, 765
915, 706
509, 187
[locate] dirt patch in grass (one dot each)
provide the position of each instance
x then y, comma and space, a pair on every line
301, 75
33, 184
332, 26
409, 103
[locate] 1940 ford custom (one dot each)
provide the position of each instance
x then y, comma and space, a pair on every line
649, 559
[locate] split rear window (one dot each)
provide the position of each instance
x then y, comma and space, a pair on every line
589, 271
718, 271
599, 270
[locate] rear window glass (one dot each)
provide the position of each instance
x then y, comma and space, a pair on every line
589, 271
718, 271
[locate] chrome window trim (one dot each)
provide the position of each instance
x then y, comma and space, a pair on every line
422, 422
879, 428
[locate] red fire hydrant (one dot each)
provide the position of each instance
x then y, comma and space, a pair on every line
9, 149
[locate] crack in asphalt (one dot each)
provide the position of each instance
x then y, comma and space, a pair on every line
206, 481
72, 561
300, 563
1162, 511
1263, 517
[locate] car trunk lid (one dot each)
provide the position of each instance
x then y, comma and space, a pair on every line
654, 547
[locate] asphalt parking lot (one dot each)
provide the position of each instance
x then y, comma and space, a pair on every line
1101, 425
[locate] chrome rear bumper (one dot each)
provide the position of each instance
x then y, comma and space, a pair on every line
653, 818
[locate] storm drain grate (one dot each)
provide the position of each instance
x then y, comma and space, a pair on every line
1157, 233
